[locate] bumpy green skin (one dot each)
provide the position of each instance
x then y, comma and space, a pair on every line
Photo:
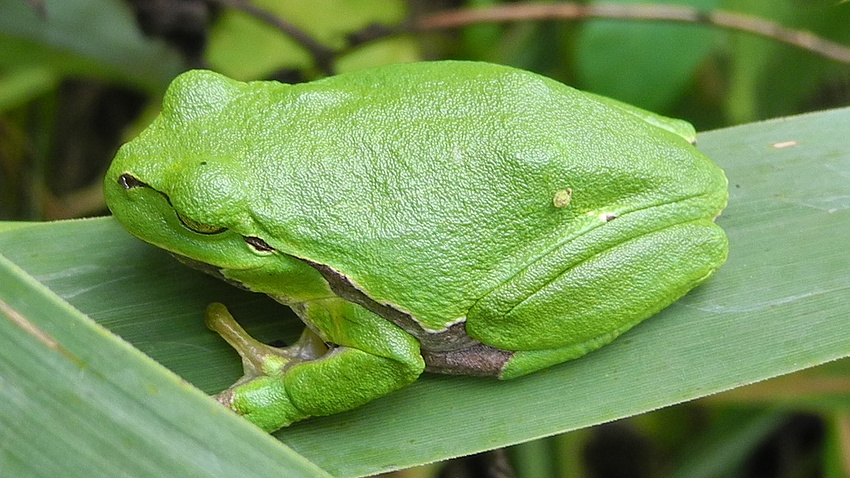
423, 191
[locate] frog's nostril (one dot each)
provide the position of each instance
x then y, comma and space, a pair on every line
128, 181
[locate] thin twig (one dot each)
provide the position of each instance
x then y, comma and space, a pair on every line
322, 55
672, 13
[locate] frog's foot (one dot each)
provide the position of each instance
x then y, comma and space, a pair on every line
264, 366
370, 358
259, 359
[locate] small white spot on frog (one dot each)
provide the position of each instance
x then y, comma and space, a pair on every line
457, 153
562, 198
604, 216
785, 144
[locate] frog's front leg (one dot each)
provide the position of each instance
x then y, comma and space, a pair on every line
369, 358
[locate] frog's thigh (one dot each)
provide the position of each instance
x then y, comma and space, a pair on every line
563, 311
374, 357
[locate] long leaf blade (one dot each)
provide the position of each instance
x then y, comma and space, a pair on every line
78, 401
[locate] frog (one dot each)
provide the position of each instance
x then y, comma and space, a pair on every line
454, 217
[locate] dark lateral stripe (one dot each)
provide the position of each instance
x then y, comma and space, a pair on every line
453, 338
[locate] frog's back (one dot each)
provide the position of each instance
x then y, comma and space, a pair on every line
428, 185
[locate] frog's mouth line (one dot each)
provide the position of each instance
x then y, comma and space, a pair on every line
128, 181
208, 269
452, 338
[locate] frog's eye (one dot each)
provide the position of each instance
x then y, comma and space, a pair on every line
198, 227
258, 244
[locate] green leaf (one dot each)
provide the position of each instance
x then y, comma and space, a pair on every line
79, 401
777, 306
659, 63
83, 37
22, 85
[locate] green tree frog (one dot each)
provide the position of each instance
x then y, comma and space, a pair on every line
455, 217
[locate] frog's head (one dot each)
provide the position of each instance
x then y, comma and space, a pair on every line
179, 186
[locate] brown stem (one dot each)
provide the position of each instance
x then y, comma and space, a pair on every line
671, 13
324, 56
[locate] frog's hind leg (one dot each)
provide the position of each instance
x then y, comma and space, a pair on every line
485, 361
529, 361
584, 294
368, 357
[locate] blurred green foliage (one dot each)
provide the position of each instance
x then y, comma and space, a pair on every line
80, 76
